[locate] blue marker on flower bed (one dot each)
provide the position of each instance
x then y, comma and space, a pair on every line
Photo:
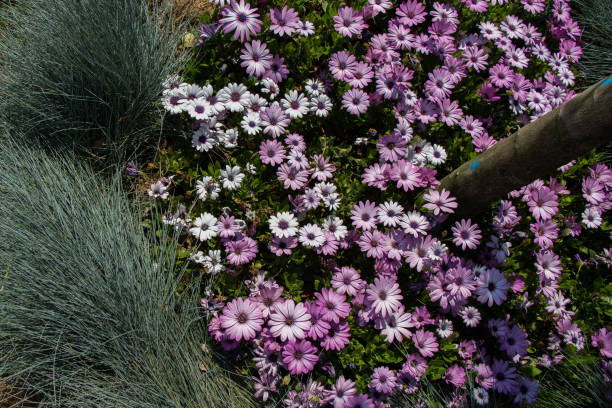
474, 165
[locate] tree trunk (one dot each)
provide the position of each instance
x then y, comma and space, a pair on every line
535, 150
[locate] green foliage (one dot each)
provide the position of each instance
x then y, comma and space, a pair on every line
89, 317
85, 72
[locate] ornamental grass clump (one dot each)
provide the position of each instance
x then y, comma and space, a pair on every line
85, 72
89, 312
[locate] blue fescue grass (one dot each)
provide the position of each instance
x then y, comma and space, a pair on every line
89, 311
86, 72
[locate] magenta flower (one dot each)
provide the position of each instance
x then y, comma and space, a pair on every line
355, 101
292, 177
505, 377
385, 295
455, 375
300, 357
364, 215
373, 243
395, 325
289, 321
283, 246
278, 70
439, 85
341, 392
342, 65
241, 251
349, 22
492, 287
241, 319
285, 21
240, 18
543, 203
271, 152
602, 339
466, 234
411, 13
337, 336
318, 326
425, 342
406, 175
333, 305
274, 119
346, 280
383, 380
256, 58
501, 76
440, 201
545, 233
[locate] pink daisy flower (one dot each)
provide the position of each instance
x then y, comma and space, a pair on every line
440, 201
241, 251
425, 342
337, 337
364, 215
355, 101
289, 321
348, 22
271, 152
466, 234
385, 295
242, 19
300, 357
241, 319
346, 280
284, 21
383, 380
406, 175
543, 203
333, 305
342, 391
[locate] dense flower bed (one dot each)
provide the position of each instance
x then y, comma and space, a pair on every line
319, 133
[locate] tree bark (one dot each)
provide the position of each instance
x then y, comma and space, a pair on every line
535, 150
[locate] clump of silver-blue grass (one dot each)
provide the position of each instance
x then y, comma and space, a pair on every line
89, 310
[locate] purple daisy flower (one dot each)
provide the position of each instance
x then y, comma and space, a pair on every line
274, 119
346, 280
349, 22
256, 58
341, 392
383, 380
300, 357
283, 246
440, 201
543, 203
271, 152
241, 251
505, 377
466, 234
333, 305
342, 65
425, 342
318, 326
355, 101
385, 295
241, 319
285, 21
242, 19
337, 336
289, 321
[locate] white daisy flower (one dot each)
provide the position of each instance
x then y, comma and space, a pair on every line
200, 109
445, 328
231, 177
175, 101
437, 250
295, 104
208, 188
283, 225
332, 201
205, 227
251, 123
314, 87
235, 97
320, 105
250, 168
436, 155
335, 225
198, 257
324, 189
256, 103
389, 213
591, 218
311, 235
269, 87
213, 262
230, 138
204, 139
